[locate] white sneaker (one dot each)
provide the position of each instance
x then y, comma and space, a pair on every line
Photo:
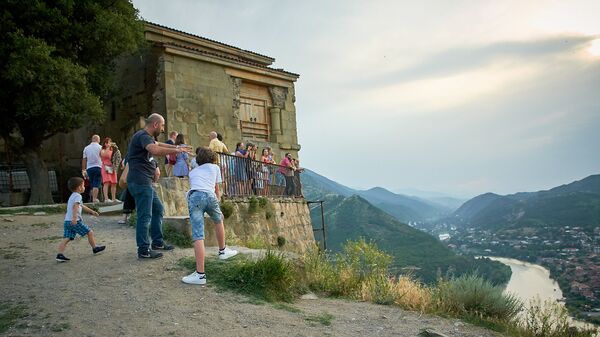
227, 253
194, 278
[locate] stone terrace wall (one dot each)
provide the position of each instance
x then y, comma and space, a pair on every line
251, 219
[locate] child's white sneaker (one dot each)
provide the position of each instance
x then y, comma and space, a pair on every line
194, 278
227, 253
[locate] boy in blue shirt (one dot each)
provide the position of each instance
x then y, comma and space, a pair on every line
73, 224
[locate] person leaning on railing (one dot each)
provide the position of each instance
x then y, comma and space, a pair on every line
287, 170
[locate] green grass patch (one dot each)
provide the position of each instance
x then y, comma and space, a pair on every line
60, 327
10, 314
182, 240
252, 205
324, 318
47, 209
132, 219
226, 209
262, 202
286, 307
270, 278
9, 254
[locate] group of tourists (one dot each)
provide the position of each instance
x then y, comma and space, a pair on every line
140, 171
99, 167
243, 171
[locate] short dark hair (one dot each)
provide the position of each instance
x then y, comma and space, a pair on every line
219, 137
205, 155
74, 182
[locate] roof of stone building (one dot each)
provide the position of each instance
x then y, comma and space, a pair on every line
207, 39
234, 59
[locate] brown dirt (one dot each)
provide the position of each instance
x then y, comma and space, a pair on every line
115, 294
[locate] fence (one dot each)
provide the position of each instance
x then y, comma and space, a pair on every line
15, 186
246, 177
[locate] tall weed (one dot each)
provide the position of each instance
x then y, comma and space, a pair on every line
471, 295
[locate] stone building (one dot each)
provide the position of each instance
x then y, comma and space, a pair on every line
198, 85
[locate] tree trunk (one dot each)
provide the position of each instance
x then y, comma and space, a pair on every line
38, 178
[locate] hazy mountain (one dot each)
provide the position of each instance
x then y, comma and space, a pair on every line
402, 207
575, 204
353, 217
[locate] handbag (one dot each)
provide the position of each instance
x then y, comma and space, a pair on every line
123, 179
108, 169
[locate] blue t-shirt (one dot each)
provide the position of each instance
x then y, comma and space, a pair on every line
141, 169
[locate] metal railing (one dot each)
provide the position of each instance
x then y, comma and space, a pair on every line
247, 177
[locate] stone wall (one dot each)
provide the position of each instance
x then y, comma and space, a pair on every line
250, 220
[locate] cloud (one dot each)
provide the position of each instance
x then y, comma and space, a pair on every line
464, 59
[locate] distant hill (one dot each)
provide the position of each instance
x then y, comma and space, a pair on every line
403, 208
574, 204
353, 217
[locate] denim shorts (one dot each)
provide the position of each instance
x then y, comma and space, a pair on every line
70, 231
198, 203
95, 175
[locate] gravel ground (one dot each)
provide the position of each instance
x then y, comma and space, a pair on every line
115, 294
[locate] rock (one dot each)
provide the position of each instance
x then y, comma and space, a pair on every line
39, 213
309, 296
8, 220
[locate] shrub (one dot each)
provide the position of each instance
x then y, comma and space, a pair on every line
182, 240
411, 295
132, 220
268, 215
226, 209
280, 241
547, 319
378, 289
271, 277
256, 242
252, 205
263, 202
344, 273
471, 295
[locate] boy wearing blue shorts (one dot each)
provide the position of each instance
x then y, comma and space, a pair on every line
73, 224
202, 197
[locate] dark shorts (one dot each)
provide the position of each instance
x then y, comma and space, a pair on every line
70, 231
95, 176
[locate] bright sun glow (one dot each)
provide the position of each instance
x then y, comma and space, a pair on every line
595, 48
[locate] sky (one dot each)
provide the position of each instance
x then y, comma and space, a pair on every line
457, 97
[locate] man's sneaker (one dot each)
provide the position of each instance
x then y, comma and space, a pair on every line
164, 246
149, 254
227, 253
62, 258
98, 249
194, 278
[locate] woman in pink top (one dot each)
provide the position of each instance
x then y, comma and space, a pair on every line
109, 172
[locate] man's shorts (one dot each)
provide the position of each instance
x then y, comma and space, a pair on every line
72, 230
95, 176
198, 203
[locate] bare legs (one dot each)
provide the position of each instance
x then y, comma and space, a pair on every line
63, 244
199, 250
113, 190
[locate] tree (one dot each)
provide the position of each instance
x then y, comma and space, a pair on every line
57, 67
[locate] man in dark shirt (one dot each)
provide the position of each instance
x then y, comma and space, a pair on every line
142, 172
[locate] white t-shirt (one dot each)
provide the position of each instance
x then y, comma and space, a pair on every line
92, 154
204, 178
75, 198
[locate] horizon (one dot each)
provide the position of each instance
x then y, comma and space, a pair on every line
462, 98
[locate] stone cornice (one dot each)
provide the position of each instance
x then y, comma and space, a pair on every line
243, 70
157, 33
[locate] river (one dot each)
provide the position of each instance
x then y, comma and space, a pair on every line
529, 280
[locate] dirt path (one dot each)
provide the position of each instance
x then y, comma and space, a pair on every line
115, 294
